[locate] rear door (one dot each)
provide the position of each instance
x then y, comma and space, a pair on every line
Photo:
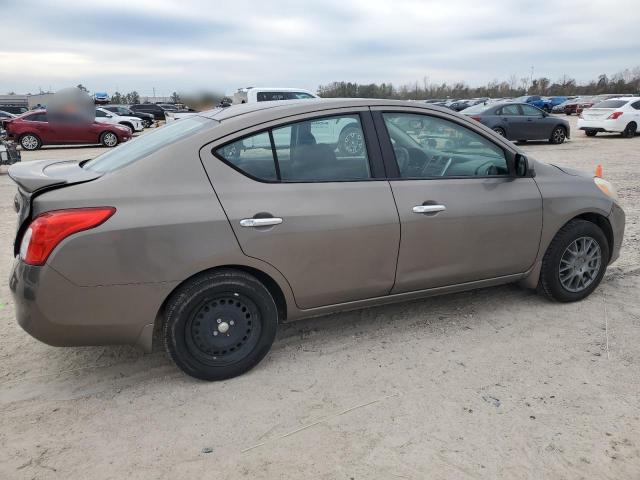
326, 219
463, 217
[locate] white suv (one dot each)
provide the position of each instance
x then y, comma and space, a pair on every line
105, 116
618, 115
266, 94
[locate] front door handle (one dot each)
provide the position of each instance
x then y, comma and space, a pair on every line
260, 222
428, 208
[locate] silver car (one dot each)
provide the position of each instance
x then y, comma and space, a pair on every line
217, 227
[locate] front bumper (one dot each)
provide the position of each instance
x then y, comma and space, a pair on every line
617, 222
59, 313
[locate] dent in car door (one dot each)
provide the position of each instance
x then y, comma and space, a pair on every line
334, 241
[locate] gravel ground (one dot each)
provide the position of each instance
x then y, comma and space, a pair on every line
494, 383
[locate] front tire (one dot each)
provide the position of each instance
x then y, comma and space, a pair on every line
630, 130
220, 325
575, 262
558, 136
109, 139
590, 133
30, 142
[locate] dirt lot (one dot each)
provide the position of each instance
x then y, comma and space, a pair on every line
494, 383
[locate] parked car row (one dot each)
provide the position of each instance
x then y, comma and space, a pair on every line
34, 129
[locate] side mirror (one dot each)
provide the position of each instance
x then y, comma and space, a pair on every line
521, 165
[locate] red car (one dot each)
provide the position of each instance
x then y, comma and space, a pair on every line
32, 130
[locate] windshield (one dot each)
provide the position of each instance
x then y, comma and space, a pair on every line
611, 104
144, 145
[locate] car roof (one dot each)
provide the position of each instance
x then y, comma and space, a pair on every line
279, 109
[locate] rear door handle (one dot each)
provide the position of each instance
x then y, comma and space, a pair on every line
260, 222
428, 208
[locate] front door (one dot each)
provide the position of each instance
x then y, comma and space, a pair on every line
324, 217
463, 216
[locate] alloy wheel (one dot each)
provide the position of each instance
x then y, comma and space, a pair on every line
110, 139
558, 135
29, 142
580, 264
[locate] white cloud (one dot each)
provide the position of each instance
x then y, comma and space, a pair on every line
173, 45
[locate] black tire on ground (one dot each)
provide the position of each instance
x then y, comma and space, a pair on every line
220, 325
630, 130
146, 123
30, 141
351, 141
500, 131
558, 135
559, 257
590, 133
567, 113
109, 139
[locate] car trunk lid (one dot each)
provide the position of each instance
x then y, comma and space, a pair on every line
36, 177
597, 113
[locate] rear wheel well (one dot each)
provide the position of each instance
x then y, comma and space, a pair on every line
265, 279
602, 222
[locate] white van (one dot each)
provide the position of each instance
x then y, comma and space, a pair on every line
267, 94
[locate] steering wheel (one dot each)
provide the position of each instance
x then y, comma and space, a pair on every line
402, 157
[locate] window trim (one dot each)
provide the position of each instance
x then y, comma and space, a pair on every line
374, 155
391, 163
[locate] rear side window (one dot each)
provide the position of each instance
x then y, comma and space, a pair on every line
636, 105
271, 96
298, 96
510, 110
530, 111
36, 117
322, 149
432, 147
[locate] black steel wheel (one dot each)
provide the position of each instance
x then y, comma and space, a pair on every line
220, 325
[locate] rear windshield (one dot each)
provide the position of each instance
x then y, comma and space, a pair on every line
479, 108
146, 144
611, 104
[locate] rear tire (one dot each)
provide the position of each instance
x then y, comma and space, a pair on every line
558, 136
567, 276
31, 142
220, 325
500, 131
109, 139
590, 133
630, 130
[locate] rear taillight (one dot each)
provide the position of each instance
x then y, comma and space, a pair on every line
476, 118
615, 115
50, 228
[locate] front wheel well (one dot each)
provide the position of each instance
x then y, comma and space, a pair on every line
602, 222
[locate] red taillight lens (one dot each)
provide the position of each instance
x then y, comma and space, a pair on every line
615, 115
476, 118
50, 228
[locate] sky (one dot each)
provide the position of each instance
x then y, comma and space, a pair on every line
187, 45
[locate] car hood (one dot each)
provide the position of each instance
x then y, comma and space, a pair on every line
572, 171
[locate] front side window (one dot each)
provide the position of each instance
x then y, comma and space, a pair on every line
432, 147
323, 149
36, 117
100, 114
299, 96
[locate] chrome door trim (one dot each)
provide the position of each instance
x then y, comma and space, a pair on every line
260, 222
428, 208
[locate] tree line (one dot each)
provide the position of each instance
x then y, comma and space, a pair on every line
626, 81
